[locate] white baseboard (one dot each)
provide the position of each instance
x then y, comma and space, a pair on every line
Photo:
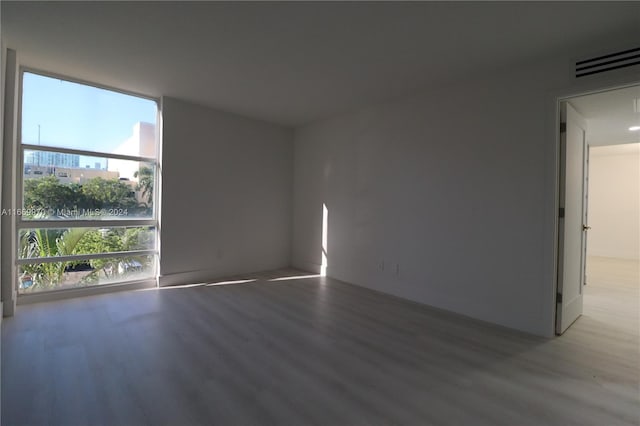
307, 266
190, 277
48, 296
206, 276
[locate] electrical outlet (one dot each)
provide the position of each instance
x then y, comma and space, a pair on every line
397, 269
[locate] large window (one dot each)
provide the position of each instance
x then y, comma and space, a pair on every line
87, 186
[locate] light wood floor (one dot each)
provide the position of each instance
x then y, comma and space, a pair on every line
315, 351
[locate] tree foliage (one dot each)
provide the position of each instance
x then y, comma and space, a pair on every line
145, 183
99, 193
110, 241
39, 243
48, 194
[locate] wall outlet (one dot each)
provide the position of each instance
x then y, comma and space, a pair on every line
397, 269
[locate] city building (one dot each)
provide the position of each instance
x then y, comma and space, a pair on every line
141, 143
66, 167
66, 175
51, 159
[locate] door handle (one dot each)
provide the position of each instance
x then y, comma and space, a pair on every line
585, 227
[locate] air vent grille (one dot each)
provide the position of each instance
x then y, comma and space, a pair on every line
609, 62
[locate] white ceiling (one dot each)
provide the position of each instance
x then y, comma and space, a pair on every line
609, 116
295, 62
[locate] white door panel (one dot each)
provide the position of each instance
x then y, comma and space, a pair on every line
572, 227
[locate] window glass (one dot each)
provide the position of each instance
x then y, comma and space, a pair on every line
39, 277
60, 113
88, 155
39, 243
70, 186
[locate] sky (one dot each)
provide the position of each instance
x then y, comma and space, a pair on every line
73, 115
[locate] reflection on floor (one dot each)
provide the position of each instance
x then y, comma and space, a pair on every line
612, 294
314, 350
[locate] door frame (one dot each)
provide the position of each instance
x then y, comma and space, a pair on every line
558, 262
572, 308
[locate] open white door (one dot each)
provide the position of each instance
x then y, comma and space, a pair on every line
572, 217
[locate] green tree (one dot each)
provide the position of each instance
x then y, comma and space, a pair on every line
138, 238
102, 193
39, 243
145, 183
42, 243
111, 241
48, 193
101, 241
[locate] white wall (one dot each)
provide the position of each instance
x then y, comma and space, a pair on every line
614, 201
3, 64
9, 140
226, 194
447, 198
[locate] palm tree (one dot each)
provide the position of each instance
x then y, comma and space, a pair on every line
145, 182
40, 243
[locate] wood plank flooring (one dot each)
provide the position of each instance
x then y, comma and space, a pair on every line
315, 351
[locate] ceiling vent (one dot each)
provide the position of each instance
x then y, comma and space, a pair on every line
609, 62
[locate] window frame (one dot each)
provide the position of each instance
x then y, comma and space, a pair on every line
18, 180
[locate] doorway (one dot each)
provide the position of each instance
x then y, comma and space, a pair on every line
599, 215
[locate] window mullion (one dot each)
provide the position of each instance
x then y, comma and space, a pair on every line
88, 256
55, 224
26, 146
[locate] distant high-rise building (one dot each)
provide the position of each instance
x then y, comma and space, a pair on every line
51, 159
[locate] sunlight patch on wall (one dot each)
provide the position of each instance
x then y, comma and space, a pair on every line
325, 232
